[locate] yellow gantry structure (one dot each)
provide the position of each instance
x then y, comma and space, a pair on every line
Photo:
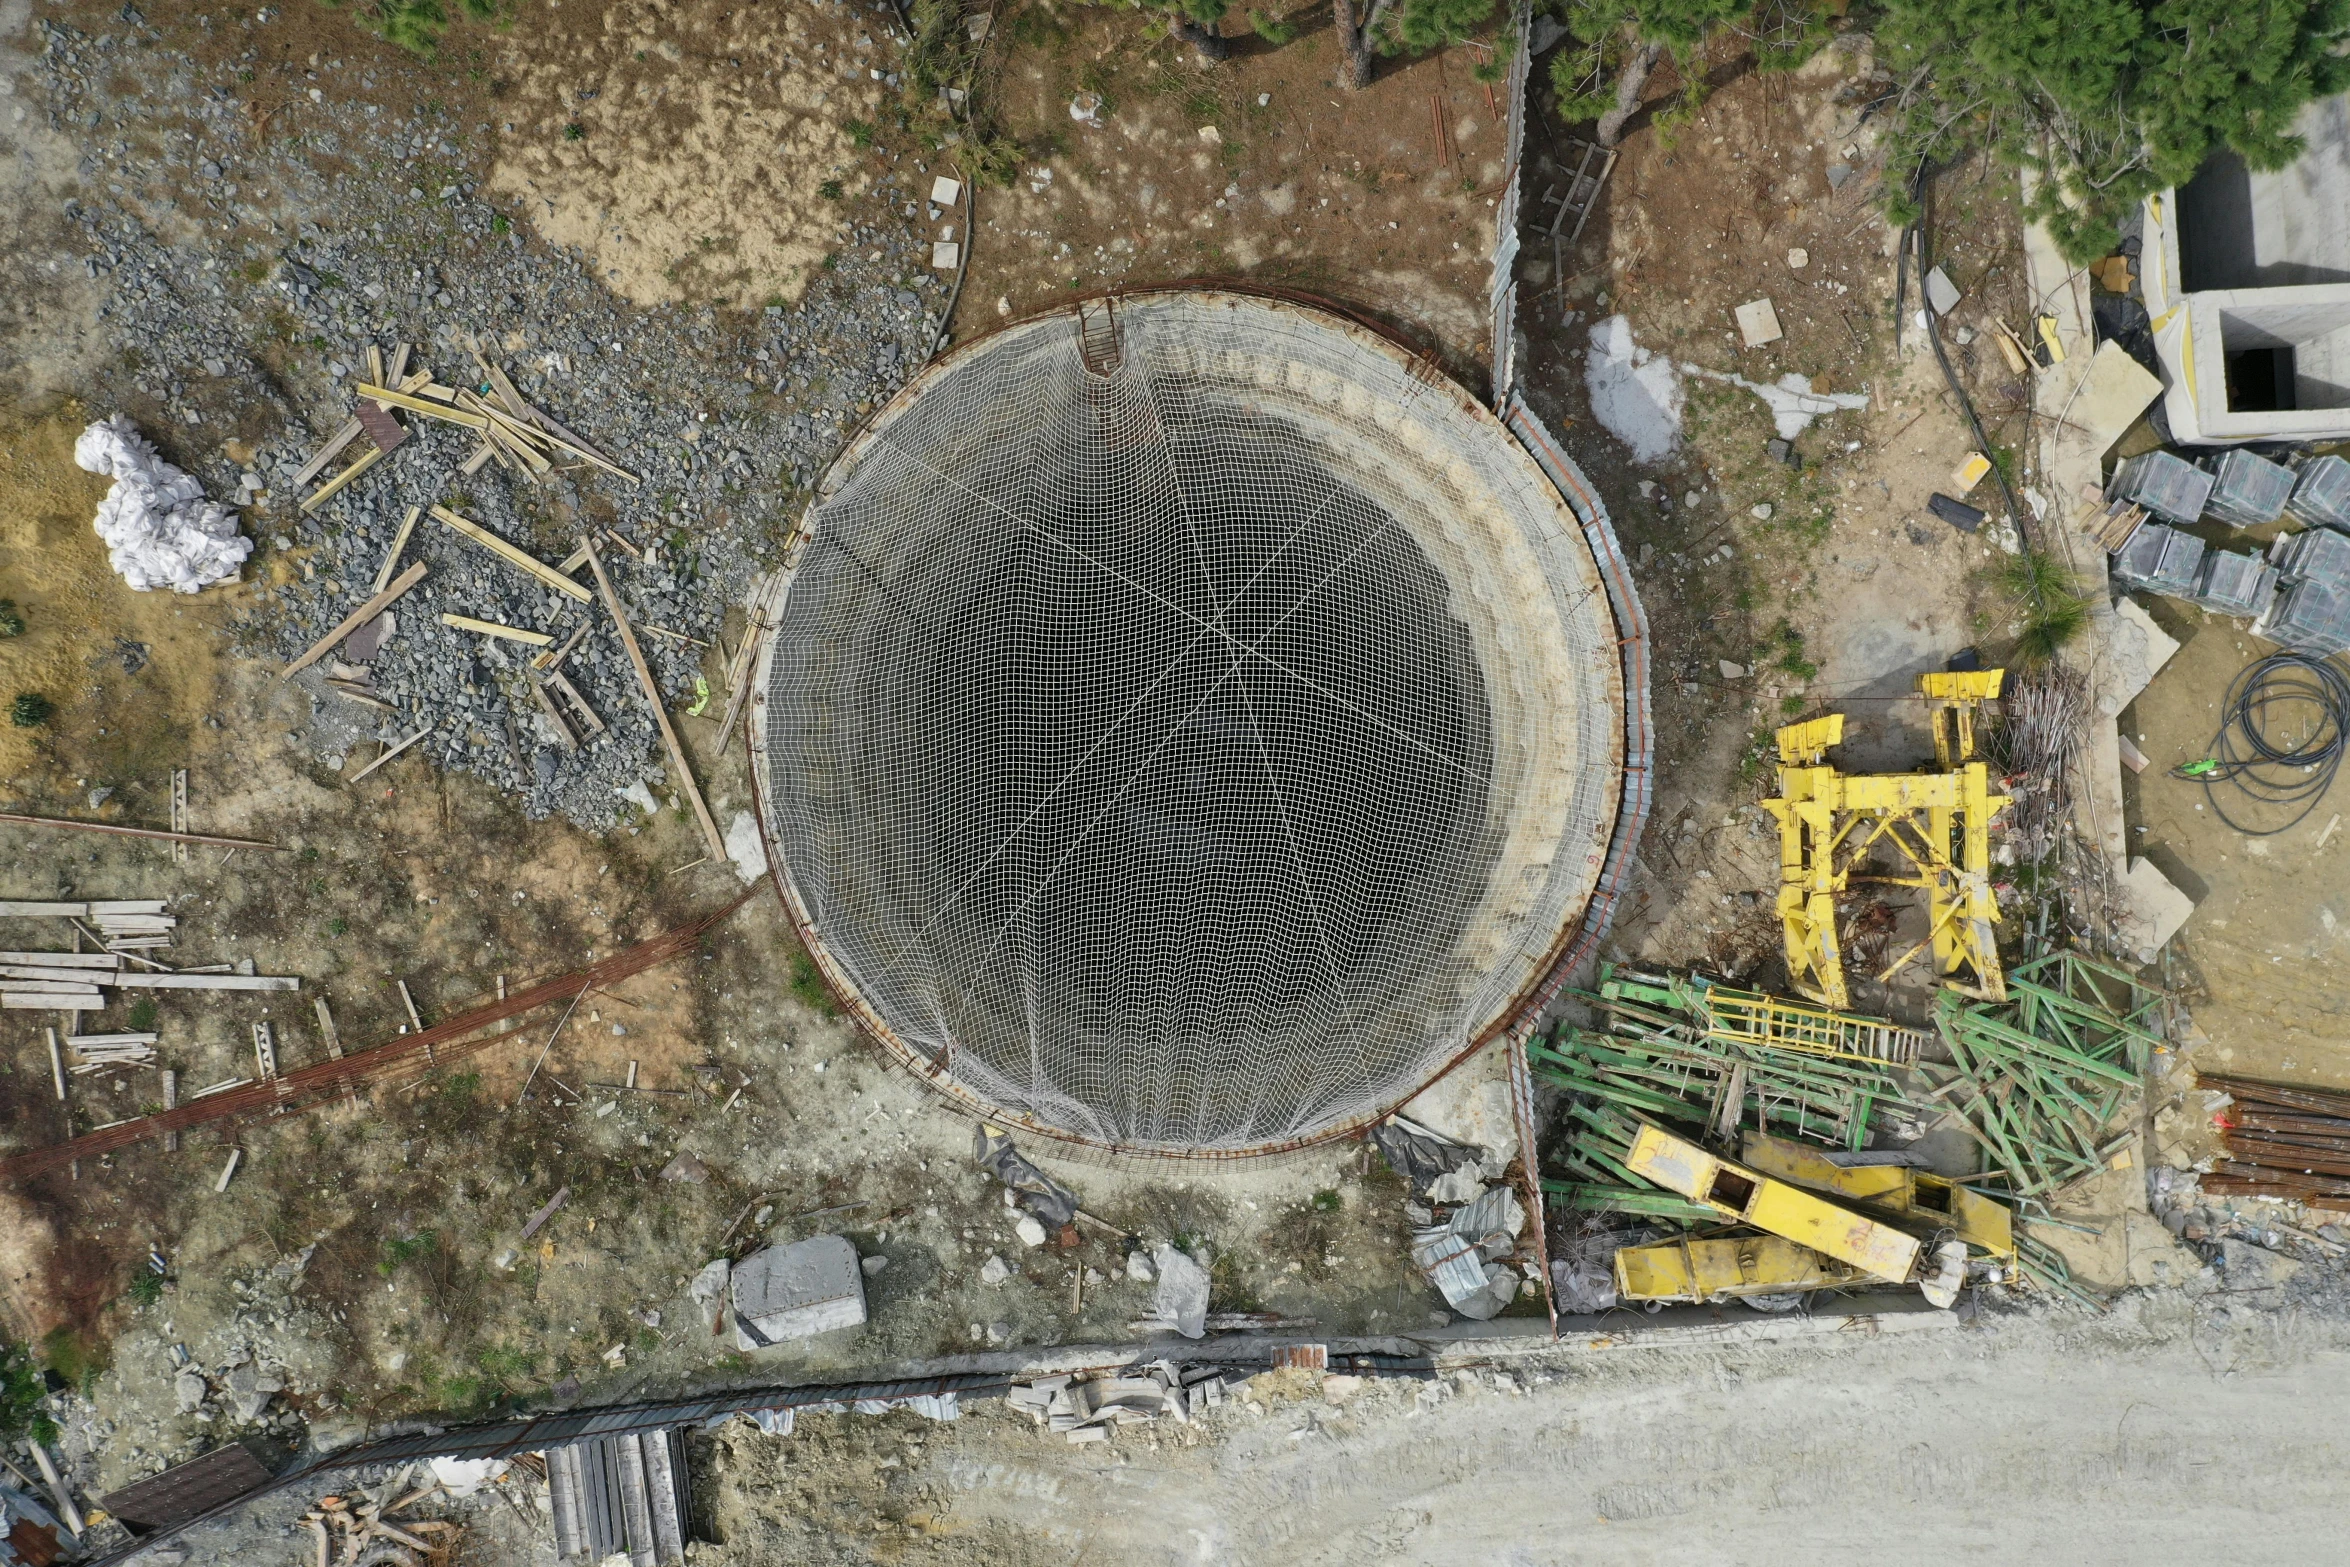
1830, 823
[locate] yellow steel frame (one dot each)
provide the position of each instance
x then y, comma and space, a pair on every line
1911, 1197
1774, 1206
1725, 1269
1941, 823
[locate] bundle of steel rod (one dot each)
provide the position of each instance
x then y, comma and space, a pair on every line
2289, 1143
1656, 1066
2040, 1080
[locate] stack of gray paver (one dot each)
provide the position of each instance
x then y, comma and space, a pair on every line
2311, 612
2321, 494
2160, 559
2236, 584
2247, 489
2165, 483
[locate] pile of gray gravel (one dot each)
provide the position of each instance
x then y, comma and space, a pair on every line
246, 278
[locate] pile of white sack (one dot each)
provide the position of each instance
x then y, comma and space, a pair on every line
160, 531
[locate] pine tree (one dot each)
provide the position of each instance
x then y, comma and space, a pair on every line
2108, 100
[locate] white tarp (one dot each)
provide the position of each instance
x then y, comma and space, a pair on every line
160, 531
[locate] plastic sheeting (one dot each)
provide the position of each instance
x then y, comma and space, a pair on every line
159, 530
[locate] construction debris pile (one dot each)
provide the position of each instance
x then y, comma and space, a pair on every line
1816, 1113
1087, 1407
457, 630
1465, 1219
2296, 594
347, 1530
2292, 1144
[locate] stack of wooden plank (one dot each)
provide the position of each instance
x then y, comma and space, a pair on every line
133, 924
55, 981
107, 1052
2288, 1143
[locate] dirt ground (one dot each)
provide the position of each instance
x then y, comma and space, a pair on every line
2166, 1432
1843, 588
2259, 963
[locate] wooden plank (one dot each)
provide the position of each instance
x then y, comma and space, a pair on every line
738, 678
327, 453
106, 908
383, 573
357, 618
326, 1026
56, 975
644, 674
59, 911
375, 366
390, 753
399, 369
554, 660
171, 1101
334, 486
360, 694
132, 832
447, 412
227, 1171
84, 1041
56, 1064
207, 982
509, 553
490, 628
63, 959
554, 716
42, 1001
562, 682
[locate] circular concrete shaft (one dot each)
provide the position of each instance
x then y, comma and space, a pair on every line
1189, 725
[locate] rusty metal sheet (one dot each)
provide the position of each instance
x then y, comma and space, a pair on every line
185, 1490
384, 430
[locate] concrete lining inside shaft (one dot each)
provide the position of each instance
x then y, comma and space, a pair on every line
1193, 754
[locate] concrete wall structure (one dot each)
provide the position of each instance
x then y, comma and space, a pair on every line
2247, 277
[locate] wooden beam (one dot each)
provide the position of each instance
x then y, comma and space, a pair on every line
326, 454
738, 678
513, 556
56, 1064
390, 753
357, 618
333, 486
562, 682
383, 573
132, 832
644, 673
447, 412
490, 628
554, 716
206, 982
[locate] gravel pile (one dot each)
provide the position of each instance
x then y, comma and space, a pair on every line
248, 273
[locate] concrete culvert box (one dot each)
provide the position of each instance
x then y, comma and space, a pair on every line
1190, 724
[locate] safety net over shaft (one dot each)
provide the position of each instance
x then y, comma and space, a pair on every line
1189, 723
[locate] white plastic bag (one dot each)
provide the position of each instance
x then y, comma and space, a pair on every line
160, 531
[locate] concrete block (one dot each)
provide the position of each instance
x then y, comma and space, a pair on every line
808, 1287
2136, 650
2151, 909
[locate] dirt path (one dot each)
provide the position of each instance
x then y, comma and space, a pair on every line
2163, 1433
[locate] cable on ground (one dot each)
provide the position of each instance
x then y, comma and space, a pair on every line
2282, 733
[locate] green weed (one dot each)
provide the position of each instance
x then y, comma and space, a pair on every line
2051, 610
31, 710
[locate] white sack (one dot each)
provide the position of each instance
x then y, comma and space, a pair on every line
160, 531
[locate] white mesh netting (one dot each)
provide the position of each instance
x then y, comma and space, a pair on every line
1197, 750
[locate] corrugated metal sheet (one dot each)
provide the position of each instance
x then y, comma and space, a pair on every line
187, 1490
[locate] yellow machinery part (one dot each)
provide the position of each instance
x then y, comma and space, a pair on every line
1725, 1269
1920, 1197
1952, 697
1941, 822
1772, 1205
